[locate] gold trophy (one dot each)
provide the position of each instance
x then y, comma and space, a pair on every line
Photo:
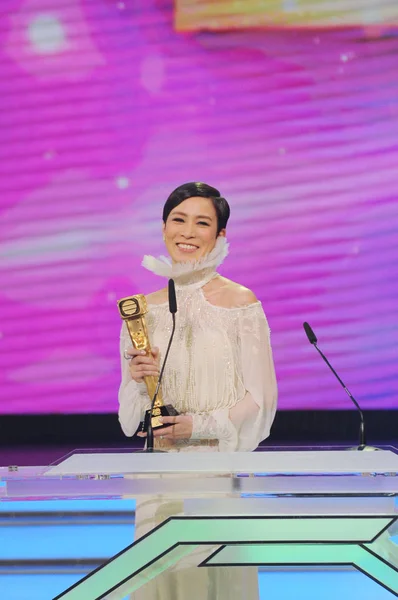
132, 310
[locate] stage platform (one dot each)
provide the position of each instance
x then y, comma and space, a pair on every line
318, 521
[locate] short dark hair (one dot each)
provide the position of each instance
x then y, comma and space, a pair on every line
202, 190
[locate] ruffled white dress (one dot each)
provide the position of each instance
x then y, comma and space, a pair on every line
220, 370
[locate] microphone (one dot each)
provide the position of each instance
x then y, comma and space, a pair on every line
172, 297
314, 340
173, 310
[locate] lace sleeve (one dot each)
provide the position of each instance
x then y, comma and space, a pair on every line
254, 415
133, 397
245, 425
215, 425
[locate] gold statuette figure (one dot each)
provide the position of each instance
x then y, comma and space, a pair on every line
133, 310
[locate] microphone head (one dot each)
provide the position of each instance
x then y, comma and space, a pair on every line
310, 334
172, 297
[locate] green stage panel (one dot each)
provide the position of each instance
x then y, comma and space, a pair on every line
265, 540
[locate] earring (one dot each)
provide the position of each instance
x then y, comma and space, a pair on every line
164, 238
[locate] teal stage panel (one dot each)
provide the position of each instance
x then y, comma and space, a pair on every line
283, 585
67, 531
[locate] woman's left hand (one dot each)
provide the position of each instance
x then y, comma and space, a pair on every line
181, 428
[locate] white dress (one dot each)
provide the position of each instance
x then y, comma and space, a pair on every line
220, 370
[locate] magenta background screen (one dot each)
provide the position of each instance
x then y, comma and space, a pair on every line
105, 108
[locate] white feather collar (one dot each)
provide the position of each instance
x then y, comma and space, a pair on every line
189, 272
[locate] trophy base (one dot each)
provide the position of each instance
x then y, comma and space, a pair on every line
165, 411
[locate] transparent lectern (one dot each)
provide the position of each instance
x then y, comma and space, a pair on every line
277, 509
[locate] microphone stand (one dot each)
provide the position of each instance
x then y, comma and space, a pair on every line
362, 434
149, 435
173, 310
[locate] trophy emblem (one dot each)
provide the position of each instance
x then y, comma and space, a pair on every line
133, 310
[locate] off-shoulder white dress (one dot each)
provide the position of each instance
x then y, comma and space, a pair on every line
220, 370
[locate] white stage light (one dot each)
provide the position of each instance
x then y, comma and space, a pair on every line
123, 183
47, 34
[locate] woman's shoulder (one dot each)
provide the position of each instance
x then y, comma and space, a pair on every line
157, 298
229, 294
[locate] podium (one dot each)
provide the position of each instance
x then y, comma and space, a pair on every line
309, 509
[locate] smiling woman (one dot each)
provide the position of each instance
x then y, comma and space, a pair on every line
220, 375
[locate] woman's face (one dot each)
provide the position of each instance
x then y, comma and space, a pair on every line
190, 231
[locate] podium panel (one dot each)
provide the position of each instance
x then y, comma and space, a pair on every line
125, 525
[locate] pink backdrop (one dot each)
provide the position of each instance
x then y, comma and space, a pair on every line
105, 108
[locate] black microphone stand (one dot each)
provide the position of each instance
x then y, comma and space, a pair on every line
149, 435
362, 433
173, 310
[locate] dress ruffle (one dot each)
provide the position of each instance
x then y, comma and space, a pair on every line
189, 272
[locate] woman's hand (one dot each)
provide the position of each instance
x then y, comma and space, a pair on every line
142, 365
181, 428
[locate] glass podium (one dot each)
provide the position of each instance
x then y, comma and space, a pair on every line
207, 519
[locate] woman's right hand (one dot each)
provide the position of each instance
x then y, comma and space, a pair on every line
142, 365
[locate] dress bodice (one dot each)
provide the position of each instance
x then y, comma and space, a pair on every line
204, 368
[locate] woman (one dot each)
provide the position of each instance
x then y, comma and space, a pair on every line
220, 374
